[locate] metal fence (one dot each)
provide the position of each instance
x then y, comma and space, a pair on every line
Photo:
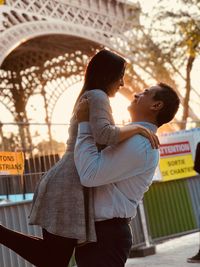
171, 208
35, 167
15, 216
41, 151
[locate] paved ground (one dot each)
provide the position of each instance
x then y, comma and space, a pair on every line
170, 253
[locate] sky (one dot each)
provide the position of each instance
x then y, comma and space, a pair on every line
63, 110
119, 106
61, 114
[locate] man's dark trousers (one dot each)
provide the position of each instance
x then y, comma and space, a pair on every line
114, 241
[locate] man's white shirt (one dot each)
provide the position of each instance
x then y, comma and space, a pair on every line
120, 174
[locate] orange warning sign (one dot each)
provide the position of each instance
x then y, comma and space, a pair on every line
11, 163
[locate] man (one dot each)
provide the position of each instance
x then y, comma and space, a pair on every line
196, 258
120, 174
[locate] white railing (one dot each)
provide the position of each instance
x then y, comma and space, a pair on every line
15, 216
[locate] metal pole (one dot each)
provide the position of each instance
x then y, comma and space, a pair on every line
144, 224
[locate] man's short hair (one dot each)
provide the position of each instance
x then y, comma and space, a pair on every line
171, 103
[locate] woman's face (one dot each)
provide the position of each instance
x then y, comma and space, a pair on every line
114, 87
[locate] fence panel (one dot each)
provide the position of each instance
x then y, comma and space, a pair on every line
172, 208
14, 216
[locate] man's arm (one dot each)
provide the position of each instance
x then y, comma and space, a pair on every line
113, 164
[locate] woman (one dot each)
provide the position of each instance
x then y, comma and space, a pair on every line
61, 206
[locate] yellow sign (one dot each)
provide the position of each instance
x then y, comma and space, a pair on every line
11, 163
176, 161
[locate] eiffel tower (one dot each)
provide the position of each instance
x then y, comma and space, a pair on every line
45, 42
48, 41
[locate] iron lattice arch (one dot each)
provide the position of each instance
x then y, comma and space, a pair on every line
32, 69
47, 44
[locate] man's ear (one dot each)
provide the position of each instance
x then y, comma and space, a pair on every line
158, 105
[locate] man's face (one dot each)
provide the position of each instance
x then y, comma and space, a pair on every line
143, 101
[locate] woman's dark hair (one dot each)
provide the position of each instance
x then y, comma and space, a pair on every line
103, 69
171, 103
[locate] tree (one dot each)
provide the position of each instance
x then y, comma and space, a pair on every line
177, 32
53, 147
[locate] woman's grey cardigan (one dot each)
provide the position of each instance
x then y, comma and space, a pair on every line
61, 204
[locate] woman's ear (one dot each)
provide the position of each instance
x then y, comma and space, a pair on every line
158, 105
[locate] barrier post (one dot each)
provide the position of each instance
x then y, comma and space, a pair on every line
147, 249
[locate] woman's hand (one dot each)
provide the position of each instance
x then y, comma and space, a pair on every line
148, 134
133, 129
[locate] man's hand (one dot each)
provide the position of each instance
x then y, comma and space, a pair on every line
82, 110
